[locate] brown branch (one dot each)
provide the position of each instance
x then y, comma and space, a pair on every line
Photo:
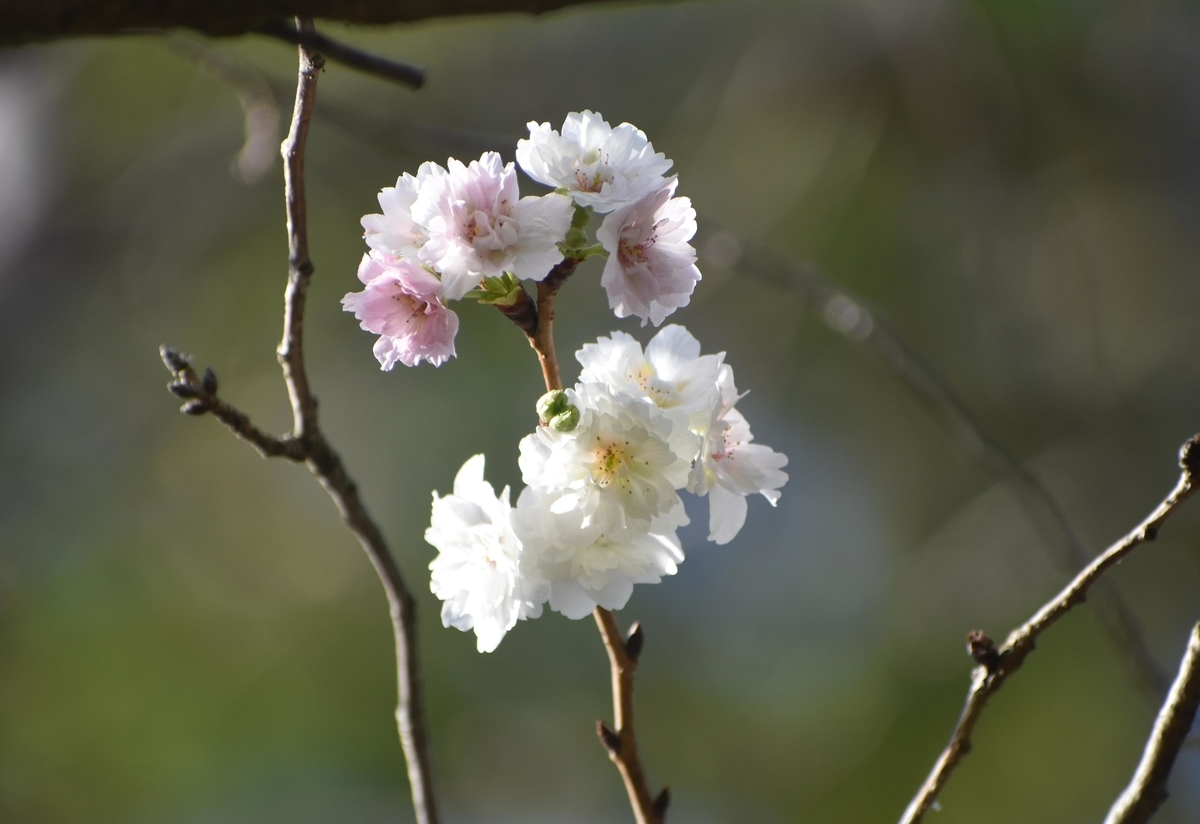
1148, 788
997, 665
307, 443
621, 743
22, 21
852, 318
537, 322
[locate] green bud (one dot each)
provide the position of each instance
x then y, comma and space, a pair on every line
552, 403
565, 421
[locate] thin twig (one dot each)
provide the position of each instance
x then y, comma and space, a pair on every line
537, 322
621, 743
997, 665
307, 443
850, 317
404, 73
1148, 788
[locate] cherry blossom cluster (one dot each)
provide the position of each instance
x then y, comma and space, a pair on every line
603, 473
463, 231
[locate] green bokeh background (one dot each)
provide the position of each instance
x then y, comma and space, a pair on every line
187, 634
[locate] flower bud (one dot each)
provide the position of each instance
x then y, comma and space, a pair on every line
565, 421
182, 389
552, 403
173, 360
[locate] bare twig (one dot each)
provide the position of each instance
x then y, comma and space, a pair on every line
1148, 788
621, 743
997, 665
404, 73
307, 443
537, 322
850, 317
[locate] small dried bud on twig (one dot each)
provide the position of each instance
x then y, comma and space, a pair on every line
182, 389
662, 802
635, 641
1189, 456
173, 359
610, 740
196, 407
983, 650
209, 381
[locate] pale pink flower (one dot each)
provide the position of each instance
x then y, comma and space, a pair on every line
651, 269
394, 231
599, 166
478, 226
402, 304
731, 467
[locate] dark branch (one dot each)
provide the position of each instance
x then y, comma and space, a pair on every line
23, 21
409, 75
986, 680
1148, 788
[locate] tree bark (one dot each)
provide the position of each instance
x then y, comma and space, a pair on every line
27, 21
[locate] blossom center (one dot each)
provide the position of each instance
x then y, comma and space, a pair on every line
608, 460
593, 172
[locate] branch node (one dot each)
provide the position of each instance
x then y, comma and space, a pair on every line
983, 650
610, 740
635, 641
662, 801
196, 407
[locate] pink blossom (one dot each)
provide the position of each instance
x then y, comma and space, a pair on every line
402, 303
477, 225
651, 269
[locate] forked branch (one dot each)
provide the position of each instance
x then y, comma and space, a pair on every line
996, 665
307, 443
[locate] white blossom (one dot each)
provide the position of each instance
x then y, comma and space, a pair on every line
479, 572
477, 226
620, 467
585, 567
671, 372
651, 268
395, 232
599, 166
731, 467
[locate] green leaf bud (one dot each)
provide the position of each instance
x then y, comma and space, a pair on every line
565, 421
552, 403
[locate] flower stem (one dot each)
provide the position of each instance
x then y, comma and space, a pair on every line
621, 743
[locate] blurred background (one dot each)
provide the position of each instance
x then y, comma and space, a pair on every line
187, 634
